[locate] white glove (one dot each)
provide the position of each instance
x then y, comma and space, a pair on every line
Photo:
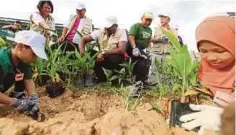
136, 52
208, 117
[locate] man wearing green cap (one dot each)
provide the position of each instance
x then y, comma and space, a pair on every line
15, 69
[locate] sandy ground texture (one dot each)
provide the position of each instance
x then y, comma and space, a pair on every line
90, 113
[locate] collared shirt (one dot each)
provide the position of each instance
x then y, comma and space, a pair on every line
142, 34
76, 37
37, 18
162, 48
7, 67
114, 39
71, 35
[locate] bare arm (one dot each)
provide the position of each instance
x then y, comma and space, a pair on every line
83, 42
30, 87
4, 99
63, 35
132, 41
119, 50
156, 40
64, 31
8, 26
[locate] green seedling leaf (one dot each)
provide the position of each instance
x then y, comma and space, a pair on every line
191, 93
115, 77
80, 34
203, 91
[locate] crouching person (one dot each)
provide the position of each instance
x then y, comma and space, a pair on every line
139, 40
15, 69
217, 73
112, 46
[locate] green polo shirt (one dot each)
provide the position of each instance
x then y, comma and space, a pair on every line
7, 67
142, 34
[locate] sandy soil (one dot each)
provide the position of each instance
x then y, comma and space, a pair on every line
90, 113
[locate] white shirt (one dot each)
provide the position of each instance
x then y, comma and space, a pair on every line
37, 18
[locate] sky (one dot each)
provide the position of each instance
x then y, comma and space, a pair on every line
185, 14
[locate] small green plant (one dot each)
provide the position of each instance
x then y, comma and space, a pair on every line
129, 102
80, 66
37, 67
184, 67
124, 75
56, 63
162, 91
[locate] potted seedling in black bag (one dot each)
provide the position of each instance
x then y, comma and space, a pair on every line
56, 62
89, 69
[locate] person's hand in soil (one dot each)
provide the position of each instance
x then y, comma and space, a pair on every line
23, 104
208, 117
100, 57
35, 100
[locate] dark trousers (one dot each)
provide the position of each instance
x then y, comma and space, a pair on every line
10, 80
110, 62
69, 46
142, 65
66, 46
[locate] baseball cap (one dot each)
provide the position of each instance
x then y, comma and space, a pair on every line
109, 21
81, 6
147, 15
33, 39
165, 14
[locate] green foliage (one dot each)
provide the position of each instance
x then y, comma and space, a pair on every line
56, 63
80, 65
181, 61
124, 75
161, 91
129, 102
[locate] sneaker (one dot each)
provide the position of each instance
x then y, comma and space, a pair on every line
135, 89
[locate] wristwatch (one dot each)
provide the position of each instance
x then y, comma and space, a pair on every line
103, 52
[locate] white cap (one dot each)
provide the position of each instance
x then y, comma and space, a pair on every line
109, 21
81, 6
33, 39
164, 14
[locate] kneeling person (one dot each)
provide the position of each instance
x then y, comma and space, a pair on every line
15, 69
139, 41
112, 45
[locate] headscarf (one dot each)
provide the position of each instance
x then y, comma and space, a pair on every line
221, 31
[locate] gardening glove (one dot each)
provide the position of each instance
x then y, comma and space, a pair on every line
35, 100
17, 95
148, 51
164, 39
208, 117
136, 52
23, 104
